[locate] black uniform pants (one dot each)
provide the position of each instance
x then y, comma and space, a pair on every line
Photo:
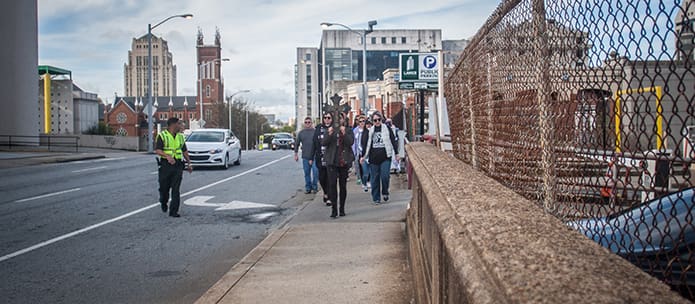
337, 178
170, 180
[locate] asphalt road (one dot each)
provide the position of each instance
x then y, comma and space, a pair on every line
93, 232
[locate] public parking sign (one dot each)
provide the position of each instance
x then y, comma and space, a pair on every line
418, 67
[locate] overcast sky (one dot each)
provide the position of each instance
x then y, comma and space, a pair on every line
92, 37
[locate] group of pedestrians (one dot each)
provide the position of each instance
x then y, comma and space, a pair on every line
332, 148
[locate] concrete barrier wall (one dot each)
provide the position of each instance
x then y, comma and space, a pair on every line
111, 142
472, 240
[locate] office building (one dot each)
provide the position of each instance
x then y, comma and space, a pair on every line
163, 68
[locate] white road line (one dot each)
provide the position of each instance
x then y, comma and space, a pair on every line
107, 159
155, 172
83, 230
89, 169
46, 195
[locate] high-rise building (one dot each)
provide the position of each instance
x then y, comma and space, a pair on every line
307, 83
322, 72
163, 68
210, 82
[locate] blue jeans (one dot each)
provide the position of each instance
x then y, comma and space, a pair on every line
311, 175
365, 172
380, 178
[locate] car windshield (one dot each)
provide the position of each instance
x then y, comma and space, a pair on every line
206, 136
283, 135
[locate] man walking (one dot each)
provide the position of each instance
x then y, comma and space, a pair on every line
171, 148
305, 138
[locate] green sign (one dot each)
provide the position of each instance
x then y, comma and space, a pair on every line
418, 67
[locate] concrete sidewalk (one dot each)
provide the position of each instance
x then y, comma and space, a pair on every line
359, 258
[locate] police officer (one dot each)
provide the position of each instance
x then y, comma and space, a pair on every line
171, 148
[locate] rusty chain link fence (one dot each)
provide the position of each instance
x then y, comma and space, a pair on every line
586, 107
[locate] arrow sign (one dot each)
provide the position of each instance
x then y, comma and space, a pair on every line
201, 201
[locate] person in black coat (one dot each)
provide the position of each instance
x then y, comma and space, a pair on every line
318, 154
339, 159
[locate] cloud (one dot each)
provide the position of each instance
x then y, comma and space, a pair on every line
259, 37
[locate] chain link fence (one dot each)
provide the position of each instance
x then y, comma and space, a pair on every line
586, 107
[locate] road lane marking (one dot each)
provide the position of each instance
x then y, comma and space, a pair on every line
153, 173
47, 195
129, 214
202, 201
96, 160
89, 169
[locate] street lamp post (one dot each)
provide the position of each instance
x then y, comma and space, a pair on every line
201, 122
230, 99
362, 34
149, 76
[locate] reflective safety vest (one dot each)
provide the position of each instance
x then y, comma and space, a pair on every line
172, 146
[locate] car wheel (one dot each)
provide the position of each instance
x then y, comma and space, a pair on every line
238, 160
225, 165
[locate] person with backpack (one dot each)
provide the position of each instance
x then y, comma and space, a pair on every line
381, 147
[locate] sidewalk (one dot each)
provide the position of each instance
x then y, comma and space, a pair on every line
13, 159
359, 258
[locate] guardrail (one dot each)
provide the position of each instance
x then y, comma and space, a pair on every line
472, 240
42, 142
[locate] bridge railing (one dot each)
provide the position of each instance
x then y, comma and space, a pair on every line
586, 109
473, 240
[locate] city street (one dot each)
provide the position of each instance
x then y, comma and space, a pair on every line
92, 231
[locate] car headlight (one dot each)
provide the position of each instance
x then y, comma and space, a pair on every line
215, 151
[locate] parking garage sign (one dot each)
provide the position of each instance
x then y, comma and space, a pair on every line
418, 67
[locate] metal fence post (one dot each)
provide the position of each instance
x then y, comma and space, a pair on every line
474, 153
545, 106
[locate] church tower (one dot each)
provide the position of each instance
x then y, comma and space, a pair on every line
210, 81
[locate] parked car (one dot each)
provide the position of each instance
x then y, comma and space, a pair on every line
657, 236
282, 141
213, 147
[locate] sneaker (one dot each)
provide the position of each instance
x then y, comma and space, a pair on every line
365, 188
359, 181
307, 191
315, 190
328, 203
386, 198
376, 202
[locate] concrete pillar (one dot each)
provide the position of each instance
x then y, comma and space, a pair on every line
19, 61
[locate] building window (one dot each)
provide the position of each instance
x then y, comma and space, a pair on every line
383, 40
373, 40
403, 40
121, 132
393, 40
207, 91
307, 56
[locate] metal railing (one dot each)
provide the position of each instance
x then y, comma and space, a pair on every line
587, 108
40, 143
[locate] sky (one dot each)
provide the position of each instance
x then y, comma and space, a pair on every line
92, 38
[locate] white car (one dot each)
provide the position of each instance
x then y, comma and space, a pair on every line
213, 147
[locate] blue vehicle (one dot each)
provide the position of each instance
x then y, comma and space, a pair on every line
657, 236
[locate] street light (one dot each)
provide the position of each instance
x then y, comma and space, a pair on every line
362, 34
149, 75
201, 122
230, 99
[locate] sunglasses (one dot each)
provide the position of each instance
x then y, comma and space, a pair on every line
326, 117
376, 119
307, 122
361, 121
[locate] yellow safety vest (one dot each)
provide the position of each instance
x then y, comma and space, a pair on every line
172, 146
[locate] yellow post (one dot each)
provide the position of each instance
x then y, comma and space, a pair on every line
659, 120
47, 103
260, 142
617, 123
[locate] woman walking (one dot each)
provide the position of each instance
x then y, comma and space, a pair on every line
381, 146
339, 158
